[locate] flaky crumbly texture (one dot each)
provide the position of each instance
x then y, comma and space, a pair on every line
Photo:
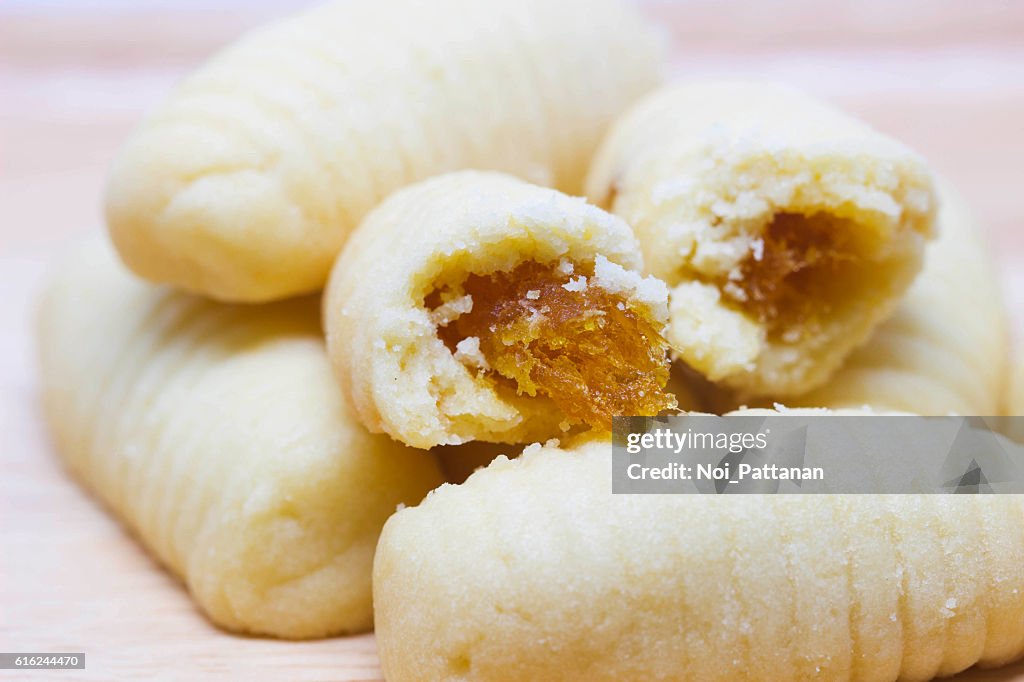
245, 183
533, 570
700, 171
946, 349
382, 339
217, 435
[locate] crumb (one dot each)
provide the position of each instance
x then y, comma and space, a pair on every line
444, 314
468, 353
578, 284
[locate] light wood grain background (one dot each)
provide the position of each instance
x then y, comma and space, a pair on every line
947, 76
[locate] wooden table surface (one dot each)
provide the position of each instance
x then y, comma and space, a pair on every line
946, 76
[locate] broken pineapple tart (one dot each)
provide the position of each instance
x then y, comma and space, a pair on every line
477, 307
785, 229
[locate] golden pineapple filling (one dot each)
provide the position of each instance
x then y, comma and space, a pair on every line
548, 331
799, 269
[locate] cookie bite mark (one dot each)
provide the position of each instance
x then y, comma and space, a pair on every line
579, 334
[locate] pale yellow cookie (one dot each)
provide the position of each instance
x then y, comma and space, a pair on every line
785, 229
244, 185
533, 570
946, 349
218, 436
475, 306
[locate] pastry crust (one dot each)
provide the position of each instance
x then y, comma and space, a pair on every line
384, 339
786, 230
218, 437
946, 349
533, 570
245, 184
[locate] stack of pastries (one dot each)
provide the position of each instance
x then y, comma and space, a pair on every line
518, 233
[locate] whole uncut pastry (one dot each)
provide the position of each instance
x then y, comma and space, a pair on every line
946, 349
218, 436
244, 185
785, 229
475, 306
534, 570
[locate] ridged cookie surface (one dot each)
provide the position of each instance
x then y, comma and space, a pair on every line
533, 570
216, 433
244, 185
